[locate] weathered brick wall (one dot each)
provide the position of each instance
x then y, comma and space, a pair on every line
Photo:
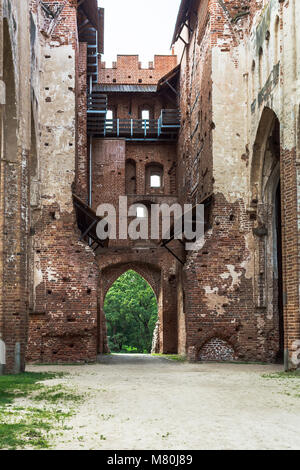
145, 155
63, 320
217, 349
14, 187
195, 177
274, 72
240, 118
128, 70
109, 159
81, 179
219, 281
63, 324
221, 276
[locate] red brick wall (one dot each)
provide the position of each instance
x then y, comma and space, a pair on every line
216, 349
290, 211
109, 182
144, 155
129, 106
217, 307
128, 70
64, 322
81, 178
65, 28
195, 179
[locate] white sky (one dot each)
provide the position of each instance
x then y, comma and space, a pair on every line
143, 27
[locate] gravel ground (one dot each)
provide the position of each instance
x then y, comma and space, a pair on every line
143, 402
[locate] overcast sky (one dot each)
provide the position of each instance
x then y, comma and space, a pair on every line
143, 27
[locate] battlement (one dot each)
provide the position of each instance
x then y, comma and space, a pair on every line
128, 70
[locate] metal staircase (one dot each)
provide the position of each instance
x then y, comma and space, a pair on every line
92, 57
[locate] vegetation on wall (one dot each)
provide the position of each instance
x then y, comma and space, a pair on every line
131, 313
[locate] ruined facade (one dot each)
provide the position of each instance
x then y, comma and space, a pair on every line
238, 144
216, 122
14, 182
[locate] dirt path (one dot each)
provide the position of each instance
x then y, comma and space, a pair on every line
144, 402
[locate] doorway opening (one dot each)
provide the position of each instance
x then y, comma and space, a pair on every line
266, 196
131, 312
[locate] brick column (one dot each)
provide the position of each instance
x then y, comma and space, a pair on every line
290, 248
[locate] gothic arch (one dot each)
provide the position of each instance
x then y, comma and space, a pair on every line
13, 309
150, 273
266, 199
154, 168
266, 124
130, 176
10, 113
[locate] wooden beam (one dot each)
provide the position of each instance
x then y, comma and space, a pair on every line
186, 43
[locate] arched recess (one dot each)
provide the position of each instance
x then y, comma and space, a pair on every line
266, 198
218, 344
151, 274
130, 176
34, 213
10, 114
13, 321
154, 177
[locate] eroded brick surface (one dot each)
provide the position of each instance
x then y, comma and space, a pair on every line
235, 299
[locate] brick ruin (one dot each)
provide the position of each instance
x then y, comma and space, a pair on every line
216, 122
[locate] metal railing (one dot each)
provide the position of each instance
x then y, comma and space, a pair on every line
96, 112
131, 127
166, 126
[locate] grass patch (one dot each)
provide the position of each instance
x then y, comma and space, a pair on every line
172, 357
15, 436
57, 394
286, 381
283, 375
22, 385
30, 426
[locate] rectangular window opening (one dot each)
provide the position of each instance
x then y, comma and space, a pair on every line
155, 181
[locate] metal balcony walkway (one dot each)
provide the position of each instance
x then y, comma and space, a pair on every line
164, 128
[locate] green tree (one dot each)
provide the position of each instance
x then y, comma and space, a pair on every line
131, 313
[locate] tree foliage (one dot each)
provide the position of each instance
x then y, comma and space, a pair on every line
131, 313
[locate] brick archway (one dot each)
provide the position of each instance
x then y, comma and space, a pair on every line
155, 277
150, 273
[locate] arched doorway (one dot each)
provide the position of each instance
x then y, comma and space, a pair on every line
164, 287
266, 196
131, 313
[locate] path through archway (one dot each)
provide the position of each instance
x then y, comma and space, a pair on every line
131, 312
